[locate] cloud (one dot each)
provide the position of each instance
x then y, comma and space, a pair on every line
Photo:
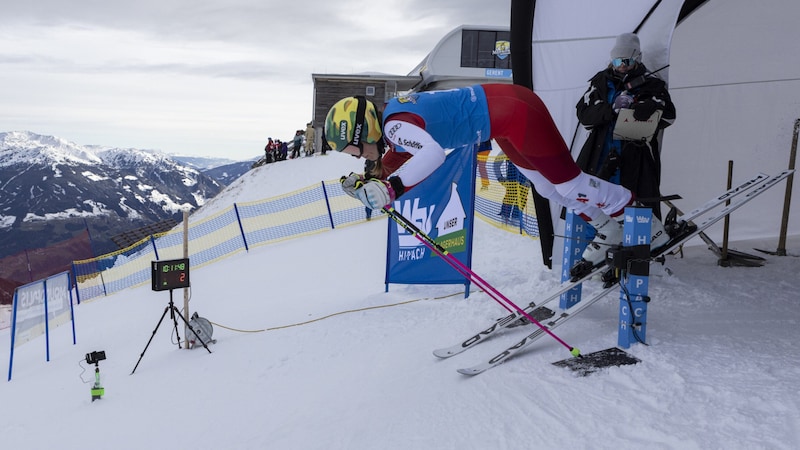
238, 59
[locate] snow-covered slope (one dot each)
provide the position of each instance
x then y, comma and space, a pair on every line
311, 353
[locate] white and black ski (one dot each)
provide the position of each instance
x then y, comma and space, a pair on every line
583, 267
538, 312
544, 313
561, 316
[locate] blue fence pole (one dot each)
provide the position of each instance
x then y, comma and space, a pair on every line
153, 243
241, 227
13, 331
75, 277
327, 204
633, 296
46, 324
71, 306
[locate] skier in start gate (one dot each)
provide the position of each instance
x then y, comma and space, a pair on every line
416, 129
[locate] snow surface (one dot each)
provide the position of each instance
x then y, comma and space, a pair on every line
311, 353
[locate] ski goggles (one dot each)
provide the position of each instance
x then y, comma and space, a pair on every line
618, 62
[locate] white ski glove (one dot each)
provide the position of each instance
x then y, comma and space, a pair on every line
352, 182
375, 194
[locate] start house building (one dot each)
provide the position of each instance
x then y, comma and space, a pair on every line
466, 55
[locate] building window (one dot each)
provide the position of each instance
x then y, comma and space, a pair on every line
370, 91
485, 49
389, 90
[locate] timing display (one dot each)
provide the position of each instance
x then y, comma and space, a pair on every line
170, 274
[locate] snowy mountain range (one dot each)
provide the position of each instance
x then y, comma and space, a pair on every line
227, 173
50, 187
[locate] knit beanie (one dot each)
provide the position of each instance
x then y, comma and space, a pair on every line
627, 46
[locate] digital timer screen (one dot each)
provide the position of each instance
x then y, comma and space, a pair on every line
171, 274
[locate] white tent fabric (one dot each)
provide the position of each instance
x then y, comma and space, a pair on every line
732, 77
735, 82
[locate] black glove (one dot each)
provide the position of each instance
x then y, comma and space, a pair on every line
607, 113
643, 110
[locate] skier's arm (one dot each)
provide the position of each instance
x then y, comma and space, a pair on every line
427, 154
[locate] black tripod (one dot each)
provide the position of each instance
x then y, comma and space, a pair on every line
173, 311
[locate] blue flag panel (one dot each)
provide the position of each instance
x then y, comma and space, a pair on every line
442, 206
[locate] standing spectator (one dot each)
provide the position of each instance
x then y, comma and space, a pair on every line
625, 83
310, 136
274, 147
283, 150
268, 151
324, 145
297, 142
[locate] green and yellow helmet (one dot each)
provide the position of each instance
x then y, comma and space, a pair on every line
352, 121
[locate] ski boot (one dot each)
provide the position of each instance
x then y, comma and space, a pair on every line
608, 233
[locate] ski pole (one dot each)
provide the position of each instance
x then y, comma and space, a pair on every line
447, 256
451, 259
469, 274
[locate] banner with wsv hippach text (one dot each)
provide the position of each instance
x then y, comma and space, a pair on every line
442, 206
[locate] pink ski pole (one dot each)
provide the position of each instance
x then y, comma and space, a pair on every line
469, 274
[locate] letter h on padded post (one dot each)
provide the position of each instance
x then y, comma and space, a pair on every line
633, 297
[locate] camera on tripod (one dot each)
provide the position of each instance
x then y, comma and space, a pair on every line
95, 357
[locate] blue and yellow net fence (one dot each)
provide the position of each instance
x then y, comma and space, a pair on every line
502, 198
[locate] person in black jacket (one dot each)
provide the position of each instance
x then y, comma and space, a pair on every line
625, 83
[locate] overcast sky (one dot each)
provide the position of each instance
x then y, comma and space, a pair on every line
202, 77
